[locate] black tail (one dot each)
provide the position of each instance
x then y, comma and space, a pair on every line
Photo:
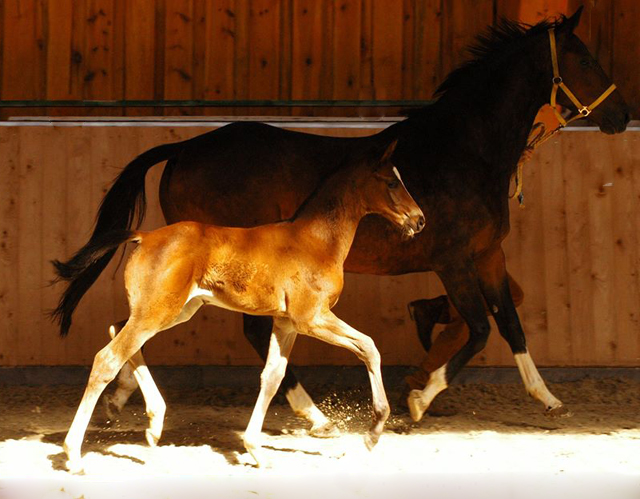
82, 270
116, 214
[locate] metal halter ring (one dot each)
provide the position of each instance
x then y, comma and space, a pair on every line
557, 80
585, 111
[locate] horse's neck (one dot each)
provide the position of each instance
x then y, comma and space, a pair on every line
331, 215
498, 114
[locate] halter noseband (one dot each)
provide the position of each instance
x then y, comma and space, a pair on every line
583, 111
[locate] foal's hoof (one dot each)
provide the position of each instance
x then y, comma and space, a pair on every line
110, 408
75, 467
370, 440
558, 412
327, 430
416, 405
152, 439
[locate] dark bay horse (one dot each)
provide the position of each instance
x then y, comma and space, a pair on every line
457, 157
290, 270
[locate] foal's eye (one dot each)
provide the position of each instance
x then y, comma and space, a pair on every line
393, 184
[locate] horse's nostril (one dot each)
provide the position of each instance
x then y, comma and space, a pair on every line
421, 222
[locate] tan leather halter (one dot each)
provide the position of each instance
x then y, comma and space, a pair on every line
583, 111
537, 135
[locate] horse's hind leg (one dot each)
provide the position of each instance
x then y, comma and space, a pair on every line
280, 346
257, 330
135, 372
498, 295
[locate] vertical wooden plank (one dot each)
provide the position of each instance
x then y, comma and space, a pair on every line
220, 46
346, 52
531, 11
80, 213
366, 53
428, 54
178, 78
139, 53
549, 162
387, 49
578, 249
307, 52
463, 21
29, 246
264, 55
626, 52
54, 224
59, 26
23, 41
78, 61
9, 246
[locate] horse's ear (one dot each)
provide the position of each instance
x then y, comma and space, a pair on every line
386, 157
572, 22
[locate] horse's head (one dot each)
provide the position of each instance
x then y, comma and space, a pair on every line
580, 73
385, 194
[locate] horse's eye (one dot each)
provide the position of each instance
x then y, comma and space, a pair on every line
393, 184
585, 62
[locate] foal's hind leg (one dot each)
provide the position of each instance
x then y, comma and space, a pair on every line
106, 365
280, 346
257, 329
135, 372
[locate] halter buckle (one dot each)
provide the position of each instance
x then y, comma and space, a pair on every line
557, 80
585, 111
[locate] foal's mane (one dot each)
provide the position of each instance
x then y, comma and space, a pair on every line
490, 47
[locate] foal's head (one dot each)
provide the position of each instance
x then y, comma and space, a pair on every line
384, 193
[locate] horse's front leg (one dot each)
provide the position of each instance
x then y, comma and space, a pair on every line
329, 328
280, 346
257, 330
461, 283
495, 288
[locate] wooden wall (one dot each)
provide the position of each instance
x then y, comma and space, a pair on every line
271, 49
574, 249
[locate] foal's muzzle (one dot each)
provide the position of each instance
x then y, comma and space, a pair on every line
414, 224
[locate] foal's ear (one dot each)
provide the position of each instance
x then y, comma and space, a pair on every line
572, 22
386, 157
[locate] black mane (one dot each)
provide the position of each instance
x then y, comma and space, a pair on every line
490, 46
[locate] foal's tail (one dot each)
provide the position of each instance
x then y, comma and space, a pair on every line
115, 217
82, 270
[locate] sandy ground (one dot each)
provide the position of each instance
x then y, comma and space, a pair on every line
478, 439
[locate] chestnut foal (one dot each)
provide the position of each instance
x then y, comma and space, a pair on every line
291, 270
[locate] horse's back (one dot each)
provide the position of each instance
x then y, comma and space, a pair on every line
248, 174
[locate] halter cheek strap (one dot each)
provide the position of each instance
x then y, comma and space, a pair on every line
583, 111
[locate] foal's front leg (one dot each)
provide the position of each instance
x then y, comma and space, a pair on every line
282, 339
331, 329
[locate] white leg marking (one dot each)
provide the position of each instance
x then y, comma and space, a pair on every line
534, 383
420, 400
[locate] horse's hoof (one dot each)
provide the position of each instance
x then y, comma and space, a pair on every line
110, 408
152, 439
558, 412
370, 440
327, 430
416, 406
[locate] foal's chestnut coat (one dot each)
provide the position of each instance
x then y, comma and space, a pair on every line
291, 270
